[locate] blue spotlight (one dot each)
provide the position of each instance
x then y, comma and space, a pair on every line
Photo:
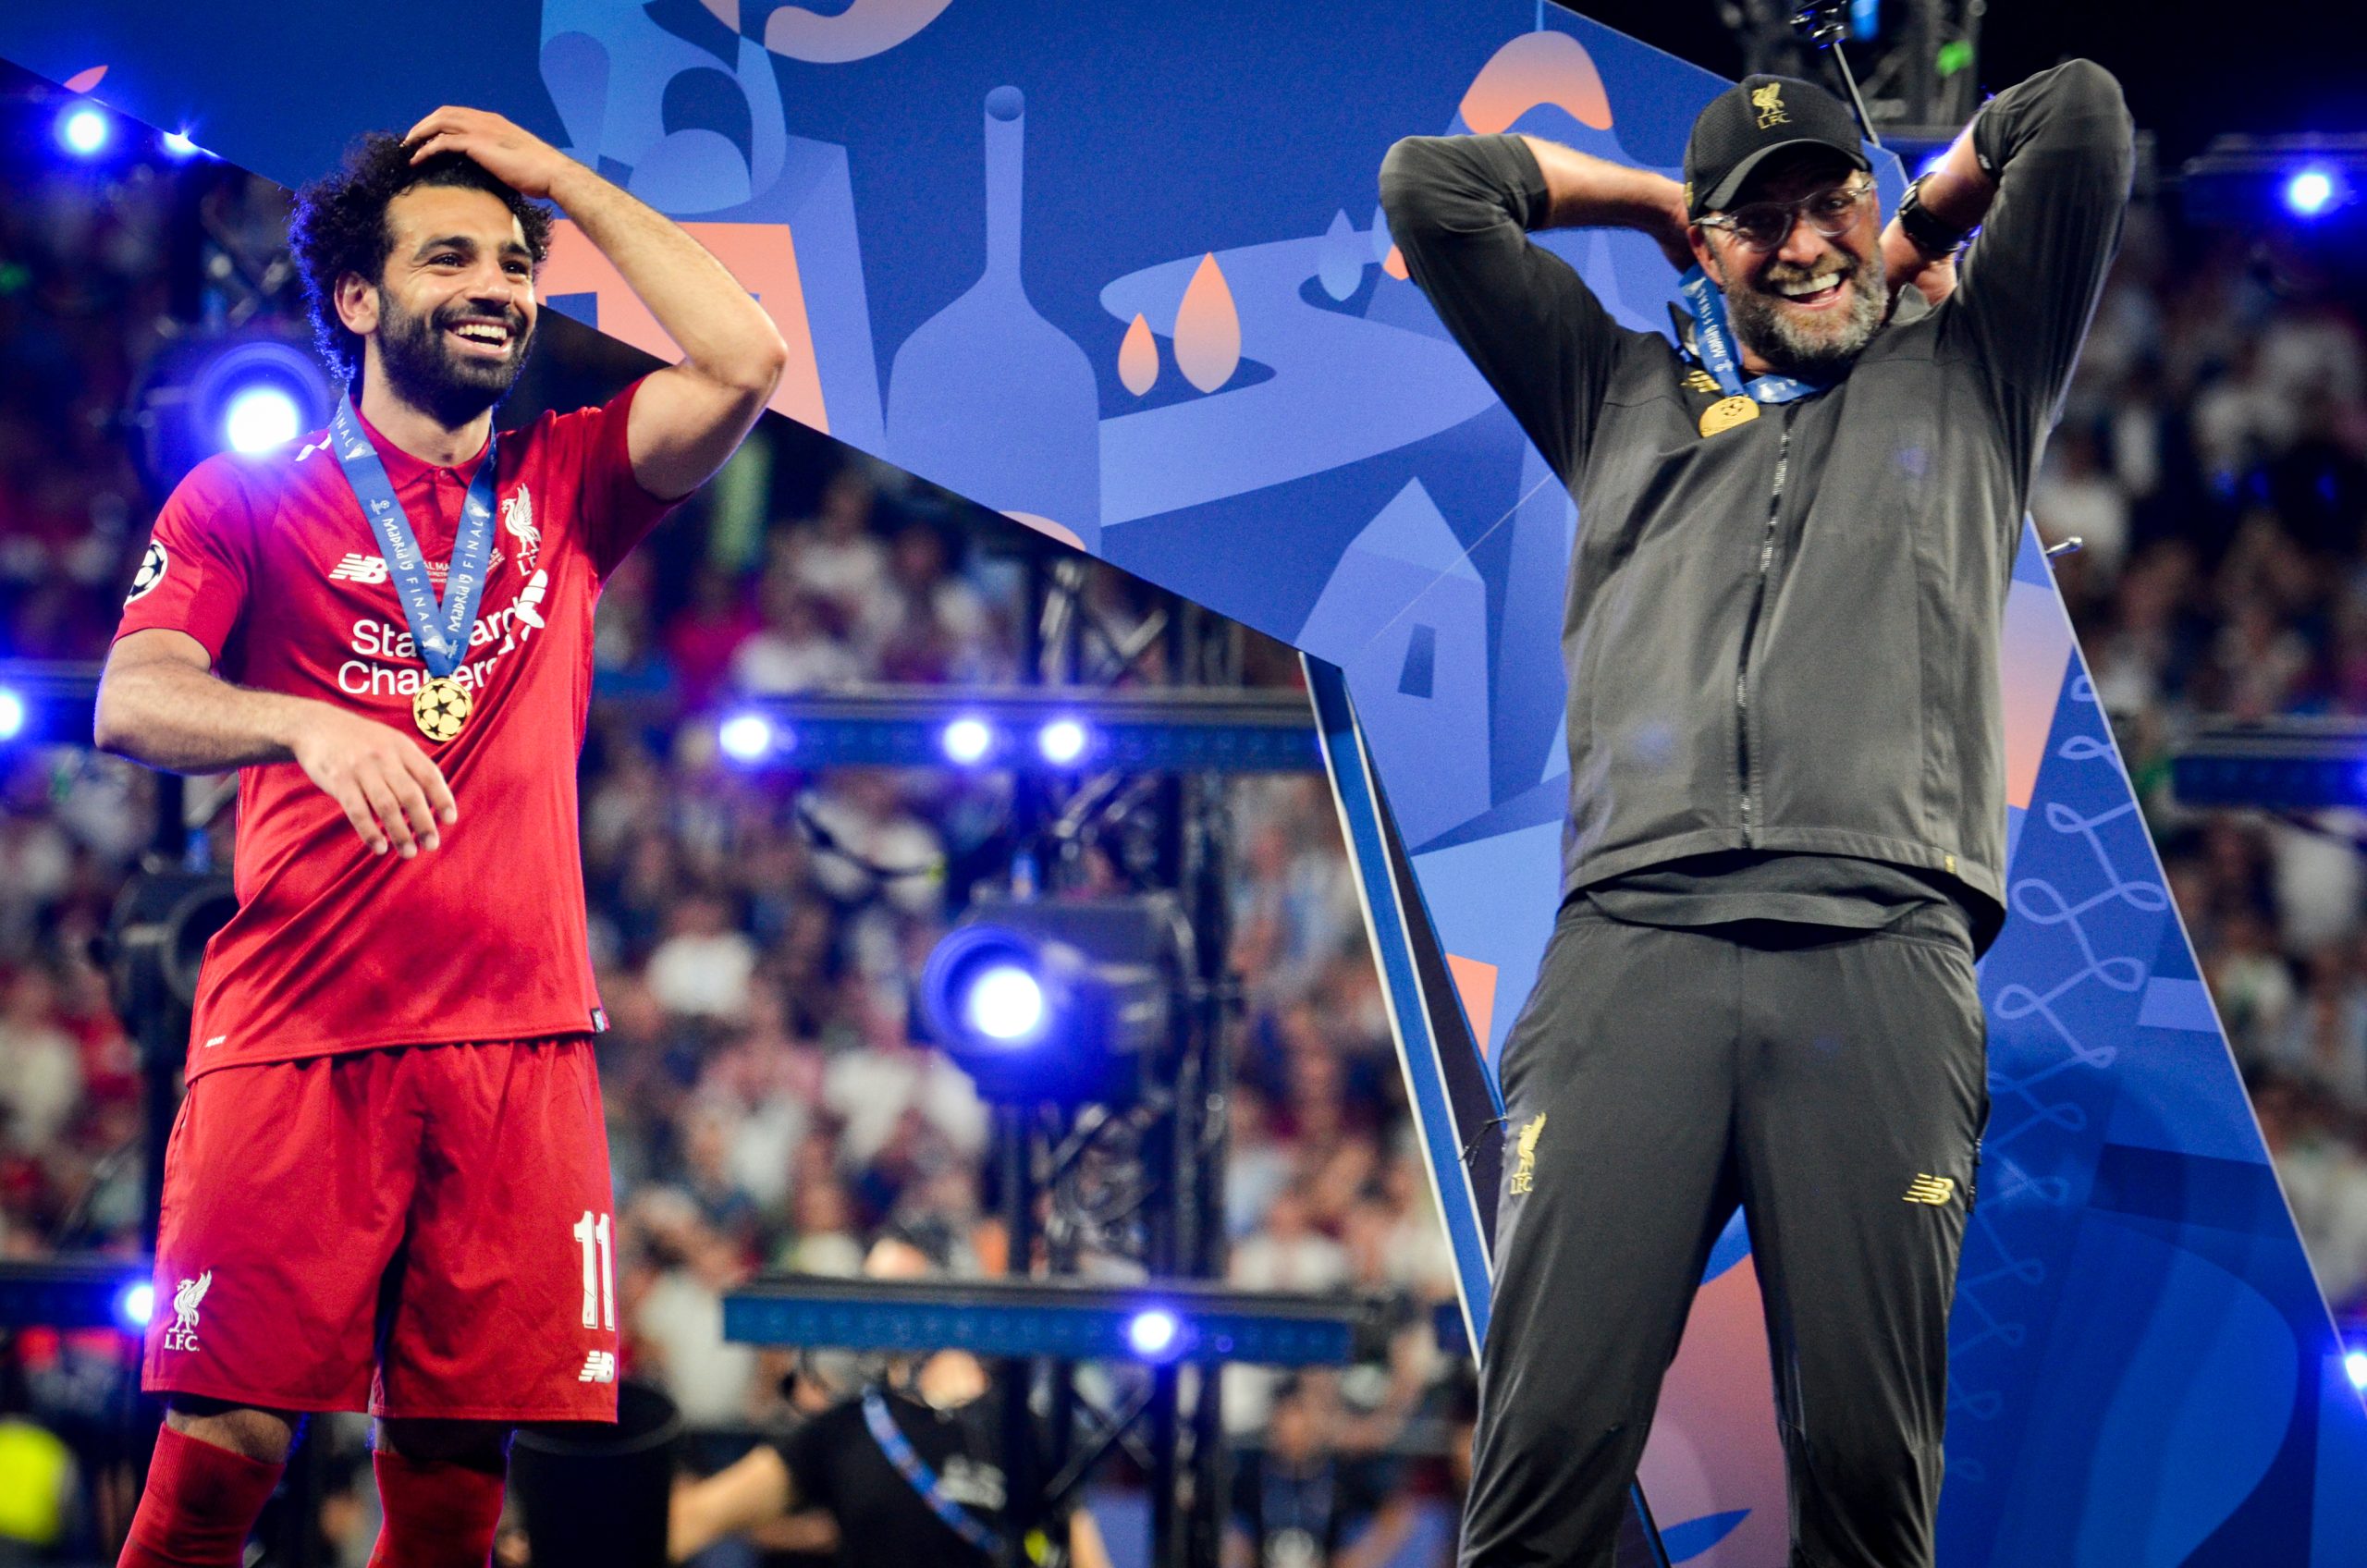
746, 737
967, 741
179, 144
2355, 1363
1061, 741
1062, 1000
135, 1304
1154, 1333
1005, 1004
258, 394
2309, 192
259, 418
84, 130
12, 715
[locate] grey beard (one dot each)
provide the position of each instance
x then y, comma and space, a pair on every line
1761, 325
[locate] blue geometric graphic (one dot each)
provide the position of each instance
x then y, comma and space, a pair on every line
1116, 270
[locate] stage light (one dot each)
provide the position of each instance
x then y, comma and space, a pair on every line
2309, 192
83, 130
2355, 1363
12, 715
135, 1304
260, 418
746, 737
967, 741
1153, 1334
1061, 741
247, 393
1063, 1001
1004, 1003
180, 146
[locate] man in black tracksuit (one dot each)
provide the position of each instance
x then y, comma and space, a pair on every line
1787, 834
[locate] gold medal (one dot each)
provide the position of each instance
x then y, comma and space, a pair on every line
441, 708
1727, 412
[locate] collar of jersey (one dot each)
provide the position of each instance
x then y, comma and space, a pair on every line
403, 469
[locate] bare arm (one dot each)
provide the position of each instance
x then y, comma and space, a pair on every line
1087, 1548
161, 704
1583, 192
1391, 1529
730, 1502
689, 417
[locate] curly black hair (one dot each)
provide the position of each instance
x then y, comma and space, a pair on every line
340, 227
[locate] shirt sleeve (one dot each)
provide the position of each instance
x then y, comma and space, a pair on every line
194, 575
809, 1454
617, 513
1459, 208
2060, 146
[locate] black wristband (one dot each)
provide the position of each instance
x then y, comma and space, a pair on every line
1924, 231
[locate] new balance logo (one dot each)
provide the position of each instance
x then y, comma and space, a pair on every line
600, 1366
372, 570
1933, 1190
182, 1335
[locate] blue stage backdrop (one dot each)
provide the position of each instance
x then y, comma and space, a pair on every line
1117, 271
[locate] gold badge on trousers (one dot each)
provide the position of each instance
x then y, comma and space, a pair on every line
1933, 1190
1524, 1171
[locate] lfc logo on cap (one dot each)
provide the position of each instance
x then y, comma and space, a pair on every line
1769, 102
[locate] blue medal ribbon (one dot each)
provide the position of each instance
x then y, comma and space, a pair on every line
1716, 342
922, 1479
440, 630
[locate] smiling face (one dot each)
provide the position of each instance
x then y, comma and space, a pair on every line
448, 322
1808, 306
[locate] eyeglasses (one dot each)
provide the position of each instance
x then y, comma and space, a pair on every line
1764, 226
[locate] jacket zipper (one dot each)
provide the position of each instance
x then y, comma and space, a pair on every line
1750, 627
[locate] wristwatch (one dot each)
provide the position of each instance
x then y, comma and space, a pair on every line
1925, 232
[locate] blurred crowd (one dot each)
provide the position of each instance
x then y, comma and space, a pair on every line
754, 933
2213, 461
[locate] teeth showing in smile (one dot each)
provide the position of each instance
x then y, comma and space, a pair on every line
493, 336
1810, 286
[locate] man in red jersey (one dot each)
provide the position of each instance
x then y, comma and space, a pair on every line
388, 1187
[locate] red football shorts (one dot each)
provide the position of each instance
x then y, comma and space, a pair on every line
438, 1215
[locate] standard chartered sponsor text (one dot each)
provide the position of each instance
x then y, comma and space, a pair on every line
377, 639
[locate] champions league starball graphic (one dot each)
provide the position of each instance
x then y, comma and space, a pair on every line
1118, 273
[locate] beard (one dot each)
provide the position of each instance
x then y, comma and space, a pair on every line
1811, 347
424, 371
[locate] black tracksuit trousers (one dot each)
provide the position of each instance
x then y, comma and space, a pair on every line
1833, 1082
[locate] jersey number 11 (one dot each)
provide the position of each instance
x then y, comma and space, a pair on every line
600, 1275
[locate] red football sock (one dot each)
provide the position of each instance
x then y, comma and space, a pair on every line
438, 1515
200, 1503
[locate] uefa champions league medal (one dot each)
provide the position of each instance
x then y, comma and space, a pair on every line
1727, 412
441, 631
441, 708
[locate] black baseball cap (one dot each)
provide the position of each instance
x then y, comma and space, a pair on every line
1760, 116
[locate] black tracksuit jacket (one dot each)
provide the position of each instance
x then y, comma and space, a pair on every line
1784, 637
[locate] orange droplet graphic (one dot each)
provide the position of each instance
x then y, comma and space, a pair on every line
1207, 329
1537, 68
82, 81
1394, 264
1138, 358
1047, 526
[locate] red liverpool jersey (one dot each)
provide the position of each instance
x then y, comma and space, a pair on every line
270, 563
